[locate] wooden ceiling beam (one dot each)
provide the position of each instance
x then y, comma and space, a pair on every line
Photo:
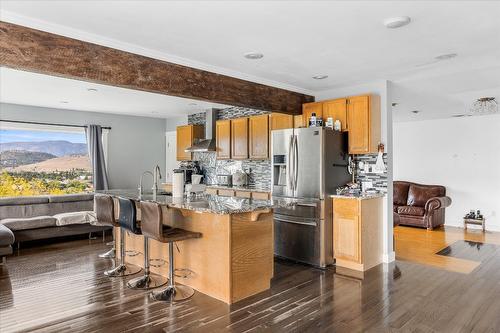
46, 53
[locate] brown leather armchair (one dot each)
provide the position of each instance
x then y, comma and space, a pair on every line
420, 205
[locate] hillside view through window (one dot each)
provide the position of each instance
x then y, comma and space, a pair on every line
34, 162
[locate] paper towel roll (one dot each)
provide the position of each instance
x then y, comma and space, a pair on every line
178, 185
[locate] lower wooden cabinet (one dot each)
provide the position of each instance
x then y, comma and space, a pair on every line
357, 232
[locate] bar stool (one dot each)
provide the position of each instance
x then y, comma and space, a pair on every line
152, 227
148, 280
128, 222
104, 210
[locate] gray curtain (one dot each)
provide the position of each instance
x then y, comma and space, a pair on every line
96, 154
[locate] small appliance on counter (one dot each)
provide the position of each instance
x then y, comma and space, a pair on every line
239, 178
188, 168
225, 180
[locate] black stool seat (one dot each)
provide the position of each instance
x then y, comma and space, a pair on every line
128, 216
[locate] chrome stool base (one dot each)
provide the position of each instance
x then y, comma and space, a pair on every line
174, 293
108, 255
146, 282
123, 270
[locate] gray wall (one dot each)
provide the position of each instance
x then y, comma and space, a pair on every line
135, 144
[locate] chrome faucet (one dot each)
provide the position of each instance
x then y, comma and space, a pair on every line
140, 181
156, 174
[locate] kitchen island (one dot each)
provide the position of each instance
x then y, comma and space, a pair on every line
233, 259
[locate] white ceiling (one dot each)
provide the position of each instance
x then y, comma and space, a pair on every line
18, 87
343, 39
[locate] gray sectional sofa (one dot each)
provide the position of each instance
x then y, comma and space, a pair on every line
41, 217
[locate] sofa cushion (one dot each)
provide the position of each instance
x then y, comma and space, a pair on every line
13, 201
400, 193
74, 218
395, 208
6, 236
71, 197
29, 222
411, 210
419, 194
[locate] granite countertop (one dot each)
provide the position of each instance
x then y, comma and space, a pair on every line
361, 196
248, 188
206, 203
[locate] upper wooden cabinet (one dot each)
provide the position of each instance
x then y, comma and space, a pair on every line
298, 121
185, 138
337, 109
259, 136
309, 108
363, 119
280, 121
223, 139
239, 138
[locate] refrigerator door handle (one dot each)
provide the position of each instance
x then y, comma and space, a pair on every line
296, 161
289, 162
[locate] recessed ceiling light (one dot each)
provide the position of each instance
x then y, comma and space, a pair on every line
446, 56
64, 102
415, 111
397, 22
459, 115
320, 77
253, 55
92, 89
395, 104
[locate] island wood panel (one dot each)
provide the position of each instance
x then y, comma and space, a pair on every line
213, 257
37, 51
252, 242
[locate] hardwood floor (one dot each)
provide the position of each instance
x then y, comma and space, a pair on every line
421, 246
61, 288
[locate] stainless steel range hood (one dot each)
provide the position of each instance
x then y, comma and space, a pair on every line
209, 143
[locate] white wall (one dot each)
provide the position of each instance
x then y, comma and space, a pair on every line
462, 154
383, 88
135, 144
172, 123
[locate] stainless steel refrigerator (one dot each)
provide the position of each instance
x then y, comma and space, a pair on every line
308, 164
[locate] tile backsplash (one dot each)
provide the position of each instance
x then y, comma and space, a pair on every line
379, 179
259, 171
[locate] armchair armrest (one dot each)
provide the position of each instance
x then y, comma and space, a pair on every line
437, 203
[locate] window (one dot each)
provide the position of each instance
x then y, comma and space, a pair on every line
37, 160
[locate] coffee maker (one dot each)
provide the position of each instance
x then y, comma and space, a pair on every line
189, 168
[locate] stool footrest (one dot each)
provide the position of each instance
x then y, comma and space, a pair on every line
183, 273
160, 262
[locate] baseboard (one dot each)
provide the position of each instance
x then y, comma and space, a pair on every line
390, 257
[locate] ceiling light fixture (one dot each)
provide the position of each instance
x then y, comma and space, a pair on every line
92, 89
415, 111
253, 55
397, 22
320, 77
484, 105
447, 56
394, 104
